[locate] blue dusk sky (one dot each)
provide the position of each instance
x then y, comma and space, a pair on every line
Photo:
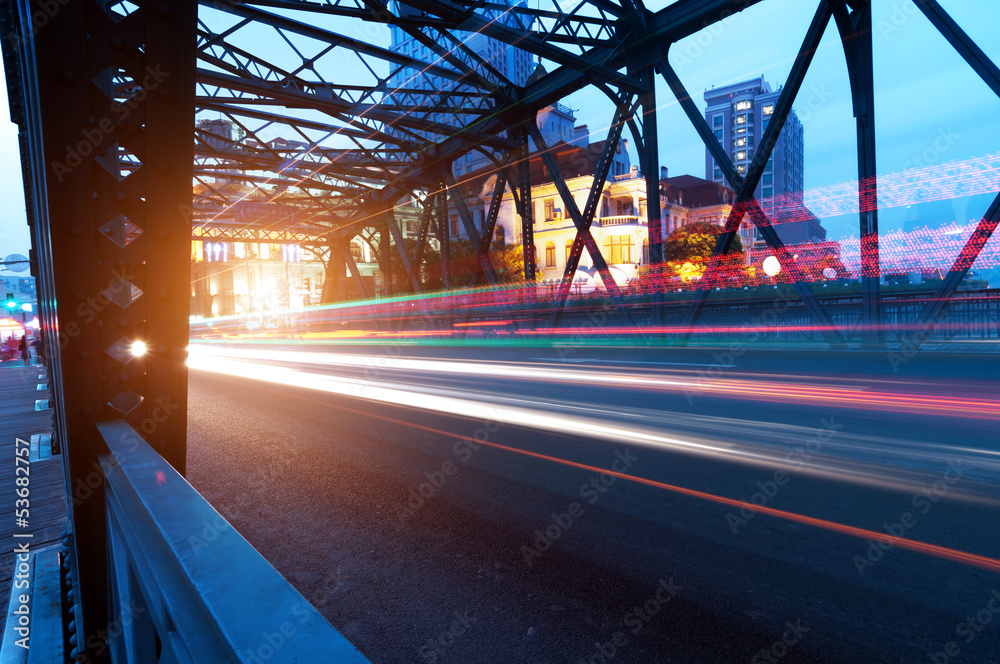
931, 108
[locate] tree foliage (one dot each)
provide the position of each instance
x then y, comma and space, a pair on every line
507, 259
695, 241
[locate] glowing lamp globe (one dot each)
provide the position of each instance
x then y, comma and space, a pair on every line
771, 266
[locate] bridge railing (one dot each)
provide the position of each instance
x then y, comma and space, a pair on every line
185, 586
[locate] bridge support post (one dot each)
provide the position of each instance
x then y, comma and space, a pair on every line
856, 33
110, 170
650, 159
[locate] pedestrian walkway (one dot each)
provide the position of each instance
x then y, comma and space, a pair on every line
27, 416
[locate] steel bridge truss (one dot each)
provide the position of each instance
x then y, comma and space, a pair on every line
297, 123
400, 123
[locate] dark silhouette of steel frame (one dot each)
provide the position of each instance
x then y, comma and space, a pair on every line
82, 74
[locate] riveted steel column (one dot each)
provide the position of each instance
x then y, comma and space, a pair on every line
856, 34
112, 169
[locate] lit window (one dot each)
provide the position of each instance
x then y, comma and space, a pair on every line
741, 119
550, 254
741, 169
741, 142
741, 155
768, 110
619, 249
569, 249
743, 105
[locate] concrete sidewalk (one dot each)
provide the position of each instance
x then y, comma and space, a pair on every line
26, 414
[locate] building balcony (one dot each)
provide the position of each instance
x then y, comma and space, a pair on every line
621, 220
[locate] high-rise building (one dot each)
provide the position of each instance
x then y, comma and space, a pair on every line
512, 63
738, 115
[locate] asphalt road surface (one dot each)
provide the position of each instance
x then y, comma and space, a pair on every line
452, 505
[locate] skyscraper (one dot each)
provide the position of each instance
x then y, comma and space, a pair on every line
738, 115
512, 63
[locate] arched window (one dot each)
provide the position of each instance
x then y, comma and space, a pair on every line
356, 253
550, 254
619, 249
645, 251
500, 239
569, 249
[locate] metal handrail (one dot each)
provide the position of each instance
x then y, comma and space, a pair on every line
180, 572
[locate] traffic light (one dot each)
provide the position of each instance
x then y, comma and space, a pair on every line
10, 302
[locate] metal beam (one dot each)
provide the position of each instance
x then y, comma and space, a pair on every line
483, 263
444, 234
970, 52
856, 34
650, 163
744, 198
404, 253
583, 220
936, 306
526, 210
101, 295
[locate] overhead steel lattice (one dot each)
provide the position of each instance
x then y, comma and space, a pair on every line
367, 126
